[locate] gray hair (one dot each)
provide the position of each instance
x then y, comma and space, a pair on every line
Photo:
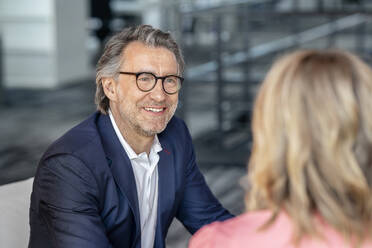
111, 59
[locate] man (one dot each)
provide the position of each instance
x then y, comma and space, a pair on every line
118, 178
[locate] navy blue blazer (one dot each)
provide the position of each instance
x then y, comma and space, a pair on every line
84, 193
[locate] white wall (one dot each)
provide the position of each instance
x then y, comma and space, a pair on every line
43, 42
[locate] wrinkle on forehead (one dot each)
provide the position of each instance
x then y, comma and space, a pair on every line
138, 57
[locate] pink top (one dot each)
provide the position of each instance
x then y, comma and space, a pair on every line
242, 231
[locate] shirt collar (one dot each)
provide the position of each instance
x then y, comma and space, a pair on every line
155, 147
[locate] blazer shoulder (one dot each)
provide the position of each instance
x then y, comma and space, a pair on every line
82, 136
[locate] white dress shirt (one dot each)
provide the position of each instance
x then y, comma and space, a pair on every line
145, 171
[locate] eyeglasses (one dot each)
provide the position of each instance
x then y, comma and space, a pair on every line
146, 81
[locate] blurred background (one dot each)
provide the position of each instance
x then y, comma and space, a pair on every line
49, 48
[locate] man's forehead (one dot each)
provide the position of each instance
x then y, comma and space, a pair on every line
138, 47
138, 53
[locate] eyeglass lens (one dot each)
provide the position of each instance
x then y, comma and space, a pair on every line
147, 81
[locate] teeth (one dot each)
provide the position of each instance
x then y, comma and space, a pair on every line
157, 110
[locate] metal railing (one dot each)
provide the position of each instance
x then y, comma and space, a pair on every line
225, 57
274, 46
2, 95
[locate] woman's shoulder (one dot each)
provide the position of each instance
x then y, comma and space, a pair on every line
246, 229
242, 230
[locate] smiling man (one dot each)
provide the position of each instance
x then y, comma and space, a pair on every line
120, 177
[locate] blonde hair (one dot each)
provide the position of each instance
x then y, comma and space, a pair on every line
312, 131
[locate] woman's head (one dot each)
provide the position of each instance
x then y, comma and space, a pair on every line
312, 150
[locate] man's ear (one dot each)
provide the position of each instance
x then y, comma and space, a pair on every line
109, 87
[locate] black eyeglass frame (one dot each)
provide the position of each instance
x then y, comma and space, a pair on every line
137, 74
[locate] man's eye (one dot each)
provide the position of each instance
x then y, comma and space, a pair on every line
171, 80
145, 78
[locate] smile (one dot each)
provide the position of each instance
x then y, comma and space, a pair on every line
155, 110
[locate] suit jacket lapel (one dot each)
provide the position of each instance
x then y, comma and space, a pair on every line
166, 188
120, 166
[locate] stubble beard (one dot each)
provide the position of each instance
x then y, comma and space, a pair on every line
136, 124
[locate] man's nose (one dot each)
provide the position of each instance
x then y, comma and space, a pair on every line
158, 93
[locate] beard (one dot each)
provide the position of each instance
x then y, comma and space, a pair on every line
147, 127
